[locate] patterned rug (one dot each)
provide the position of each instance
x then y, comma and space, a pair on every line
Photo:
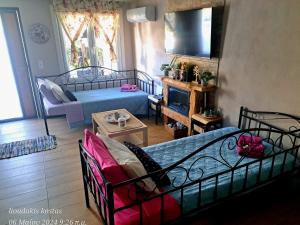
25, 147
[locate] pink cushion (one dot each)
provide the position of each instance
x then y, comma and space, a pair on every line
151, 212
110, 168
244, 139
250, 146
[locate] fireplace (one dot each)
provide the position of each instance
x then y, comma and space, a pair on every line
179, 100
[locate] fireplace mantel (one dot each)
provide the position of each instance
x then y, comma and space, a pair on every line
189, 86
198, 97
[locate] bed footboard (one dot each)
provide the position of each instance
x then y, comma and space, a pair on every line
238, 177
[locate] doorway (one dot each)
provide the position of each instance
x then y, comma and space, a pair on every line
16, 90
9, 96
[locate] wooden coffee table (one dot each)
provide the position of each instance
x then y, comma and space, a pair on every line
112, 130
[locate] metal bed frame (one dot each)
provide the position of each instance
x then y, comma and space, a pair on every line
96, 77
250, 123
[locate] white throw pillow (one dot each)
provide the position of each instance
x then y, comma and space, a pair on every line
57, 91
129, 162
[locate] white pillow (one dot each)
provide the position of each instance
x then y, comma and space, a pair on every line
57, 91
129, 162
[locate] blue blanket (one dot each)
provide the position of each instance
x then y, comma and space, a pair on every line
109, 99
170, 152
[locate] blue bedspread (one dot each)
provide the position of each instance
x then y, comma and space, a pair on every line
109, 99
170, 152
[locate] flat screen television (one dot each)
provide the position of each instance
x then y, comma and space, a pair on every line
194, 32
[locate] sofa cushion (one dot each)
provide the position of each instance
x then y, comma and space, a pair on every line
97, 148
57, 91
70, 95
47, 93
129, 162
150, 165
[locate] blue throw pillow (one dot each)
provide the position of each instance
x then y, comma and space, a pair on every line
70, 95
150, 165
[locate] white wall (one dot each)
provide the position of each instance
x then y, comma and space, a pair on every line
37, 11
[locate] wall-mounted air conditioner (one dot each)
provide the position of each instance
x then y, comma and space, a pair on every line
142, 14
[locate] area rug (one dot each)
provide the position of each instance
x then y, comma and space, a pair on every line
25, 147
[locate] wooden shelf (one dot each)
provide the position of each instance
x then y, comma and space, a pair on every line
206, 120
172, 114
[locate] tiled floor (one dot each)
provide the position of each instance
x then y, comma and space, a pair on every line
52, 179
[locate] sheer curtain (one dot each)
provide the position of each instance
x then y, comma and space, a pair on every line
90, 30
73, 25
106, 27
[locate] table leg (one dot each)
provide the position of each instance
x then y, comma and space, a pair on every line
145, 137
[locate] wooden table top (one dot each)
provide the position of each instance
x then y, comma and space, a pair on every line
132, 124
206, 120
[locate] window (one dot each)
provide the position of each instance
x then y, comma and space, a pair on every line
90, 40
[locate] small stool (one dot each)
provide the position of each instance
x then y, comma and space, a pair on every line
154, 104
206, 123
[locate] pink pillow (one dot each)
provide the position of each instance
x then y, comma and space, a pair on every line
110, 168
96, 147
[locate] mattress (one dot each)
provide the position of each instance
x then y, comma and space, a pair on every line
109, 99
170, 152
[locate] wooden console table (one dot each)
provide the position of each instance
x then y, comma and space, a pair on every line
205, 123
198, 97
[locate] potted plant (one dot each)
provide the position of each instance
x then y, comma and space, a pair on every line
176, 70
166, 68
206, 76
189, 71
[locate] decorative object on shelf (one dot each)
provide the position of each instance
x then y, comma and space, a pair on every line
206, 76
176, 71
189, 68
182, 72
39, 33
114, 117
212, 112
166, 68
196, 72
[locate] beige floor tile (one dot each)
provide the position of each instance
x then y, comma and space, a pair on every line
19, 162
22, 179
63, 178
70, 198
22, 170
23, 199
65, 188
54, 171
16, 190
62, 161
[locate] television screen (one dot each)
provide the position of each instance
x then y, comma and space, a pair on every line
190, 32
